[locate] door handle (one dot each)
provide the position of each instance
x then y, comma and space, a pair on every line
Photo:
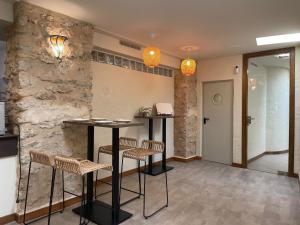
205, 119
249, 119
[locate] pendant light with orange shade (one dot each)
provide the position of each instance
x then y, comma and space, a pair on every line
188, 66
151, 56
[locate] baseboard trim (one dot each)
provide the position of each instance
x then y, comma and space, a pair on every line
276, 152
185, 160
44, 211
256, 157
8, 219
237, 165
58, 206
268, 153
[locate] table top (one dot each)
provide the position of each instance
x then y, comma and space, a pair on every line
155, 117
107, 125
5, 136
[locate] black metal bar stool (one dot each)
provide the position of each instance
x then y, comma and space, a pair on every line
148, 148
80, 168
125, 144
46, 160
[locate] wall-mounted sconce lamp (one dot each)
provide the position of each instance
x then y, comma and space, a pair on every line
58, 44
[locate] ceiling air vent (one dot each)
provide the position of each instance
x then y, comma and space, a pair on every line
130, 45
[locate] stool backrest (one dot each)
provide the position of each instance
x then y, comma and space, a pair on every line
156, 146
130, 142
41, 157
67, 164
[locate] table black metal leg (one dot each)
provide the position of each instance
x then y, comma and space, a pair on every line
156, 170
164, 140
96, 211
115, 176
150, 138
90, 156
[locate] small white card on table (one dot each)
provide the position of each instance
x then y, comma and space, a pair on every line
164, 109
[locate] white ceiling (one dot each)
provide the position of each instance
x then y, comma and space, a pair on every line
217, 27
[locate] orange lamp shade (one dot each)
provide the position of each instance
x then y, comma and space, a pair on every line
151, 56
188, 67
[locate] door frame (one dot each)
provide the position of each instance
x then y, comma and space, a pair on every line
202, 105
246, 58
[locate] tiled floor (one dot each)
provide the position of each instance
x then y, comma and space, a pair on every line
206, 193
271, 163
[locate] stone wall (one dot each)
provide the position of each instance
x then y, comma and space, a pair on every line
43, 91
186, 121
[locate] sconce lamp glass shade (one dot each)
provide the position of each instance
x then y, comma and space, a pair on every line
58, 44
188, 67
151, 56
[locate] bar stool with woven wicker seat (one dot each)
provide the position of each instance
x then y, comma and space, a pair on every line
80, 168
46, 160
125, 143
148, 148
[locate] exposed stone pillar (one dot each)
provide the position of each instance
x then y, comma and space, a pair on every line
43, 91
186, 122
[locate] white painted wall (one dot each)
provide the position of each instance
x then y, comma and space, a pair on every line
277, 126
8, 175
6, 11
223, 69
257, 102
120, 92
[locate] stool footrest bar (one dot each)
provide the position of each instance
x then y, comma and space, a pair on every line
152, 214
135, 192
68, 192
130, 200
104, 193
